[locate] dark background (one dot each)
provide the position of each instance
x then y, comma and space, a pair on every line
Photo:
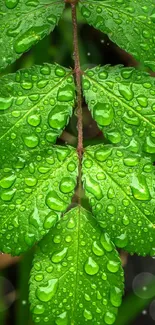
139, 300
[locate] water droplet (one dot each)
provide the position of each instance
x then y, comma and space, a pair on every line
106, 242
54, 202
91, 267
62, 319
38, 309
111, 209
34, 120
113, 266
139, 188
103, 154
65, 94
130, 161
109, 318
87, 315
5, 103
59, 71
8, 195
126, 92
58, 117
71, 223
31, 141
93, 187
45, 293
116, 296
121, 241
149, 145
29, 38
59, 256
103, 114
132, 120
7, 181
97, 250
30, 181
67, 185
50, 220
10, 4
85, 12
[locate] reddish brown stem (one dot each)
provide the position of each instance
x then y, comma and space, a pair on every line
77, 71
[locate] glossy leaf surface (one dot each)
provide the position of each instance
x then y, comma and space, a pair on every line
130, 24
76, 276
23, 24
121, 191
35, 106
122, 101
35, 189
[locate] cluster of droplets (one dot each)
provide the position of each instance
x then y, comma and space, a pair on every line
38, 106
56, 285
122, 103
33, 195
117, 22
121, 193
23, 24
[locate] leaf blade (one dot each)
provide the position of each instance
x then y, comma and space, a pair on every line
120, 101
24, 24
35, 106
120, 189
75, 223
34, 192
117, 19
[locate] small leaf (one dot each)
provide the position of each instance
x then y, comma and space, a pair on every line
131, 25
34, 192
76, 276
25, 23
120, 188
35, 106
122, 102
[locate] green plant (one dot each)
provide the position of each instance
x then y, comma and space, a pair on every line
77, 276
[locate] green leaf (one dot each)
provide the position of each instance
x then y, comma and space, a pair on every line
122, 102
34, 191
121, 191
130, 24
35, 106
77, 276
23, 24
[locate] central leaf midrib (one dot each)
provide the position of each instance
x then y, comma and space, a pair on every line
33, 107
128, 197
98, 84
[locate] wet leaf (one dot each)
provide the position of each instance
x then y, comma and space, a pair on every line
34, 192
120, 188
35, 106
25, 23
77, 275
122, 101
130, 24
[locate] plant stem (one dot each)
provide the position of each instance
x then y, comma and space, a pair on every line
77, 71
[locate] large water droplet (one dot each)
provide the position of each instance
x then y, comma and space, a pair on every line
54, 202
113, 266
97, 250
93, 187
50, 220
45, 293
91, 267
59, 256
103, 154
29, 38
106, 242
38, 309
67, 185
62, 319
10, 4
31, 141
126, 92
8, 195
103, 114
65, 94
116, 296
87, 314
7, 181
139, 188
109, 318
58, 117
5, 103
